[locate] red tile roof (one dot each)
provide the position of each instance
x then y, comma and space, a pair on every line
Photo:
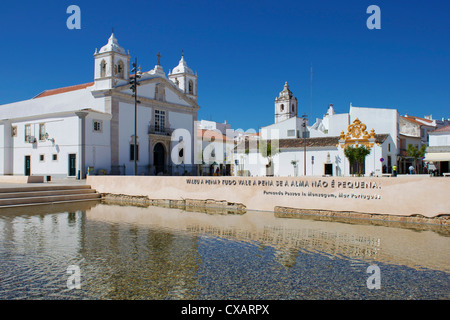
442, 129
208, 134
332, 141
51, 92
418, 120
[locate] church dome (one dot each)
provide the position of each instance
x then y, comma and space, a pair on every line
182, 67
112, 45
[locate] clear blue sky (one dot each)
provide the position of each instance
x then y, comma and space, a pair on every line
243, 51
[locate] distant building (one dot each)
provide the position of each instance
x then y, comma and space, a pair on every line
321, 140
438, 152
66, 131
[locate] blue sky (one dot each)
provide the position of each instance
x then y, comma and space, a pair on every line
243, 52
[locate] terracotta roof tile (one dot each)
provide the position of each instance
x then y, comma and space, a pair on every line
208, 134
312, 142
442, 129
419, 121
51, 92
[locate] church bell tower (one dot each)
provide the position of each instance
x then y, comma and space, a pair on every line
285, 105
112, 65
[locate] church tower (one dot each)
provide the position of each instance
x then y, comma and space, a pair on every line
185, 79
112, 65
285, 105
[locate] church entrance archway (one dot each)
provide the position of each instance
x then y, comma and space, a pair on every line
159, 158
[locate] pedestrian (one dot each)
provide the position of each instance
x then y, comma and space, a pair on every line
394, 170
411, 169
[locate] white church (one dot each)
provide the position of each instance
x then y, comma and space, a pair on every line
89, 128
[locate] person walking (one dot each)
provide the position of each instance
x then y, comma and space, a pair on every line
394, 170
411, 169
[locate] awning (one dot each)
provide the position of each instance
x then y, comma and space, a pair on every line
437, 156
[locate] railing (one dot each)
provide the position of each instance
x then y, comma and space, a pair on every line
158, 130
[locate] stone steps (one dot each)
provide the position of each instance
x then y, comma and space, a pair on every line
23, 196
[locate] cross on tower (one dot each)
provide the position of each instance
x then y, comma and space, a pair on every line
159, 58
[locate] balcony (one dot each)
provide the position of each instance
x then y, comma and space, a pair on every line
158, 130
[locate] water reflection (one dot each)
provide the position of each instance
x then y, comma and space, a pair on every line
129, 252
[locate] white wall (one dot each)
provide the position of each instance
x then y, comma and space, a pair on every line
98, 148
126, 131
286, 168
64, 130
281, 129
381, 120
439, 139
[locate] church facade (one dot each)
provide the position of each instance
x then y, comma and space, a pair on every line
89, 128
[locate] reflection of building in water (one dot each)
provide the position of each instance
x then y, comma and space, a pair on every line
287, 235
283, 237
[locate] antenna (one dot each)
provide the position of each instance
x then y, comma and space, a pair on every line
310, 117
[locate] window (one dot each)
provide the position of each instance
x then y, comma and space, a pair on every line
291, 133
41, 157
41, 131
191, 87
54, 157
293, 108
120, 72
27, 132
98, 126
103, 69
14, 131
160, 120
302, 134
282, 107
132, 152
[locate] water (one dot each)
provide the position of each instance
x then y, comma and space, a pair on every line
125, 252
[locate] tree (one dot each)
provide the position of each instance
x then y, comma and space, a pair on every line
357, 155
416, 153
268, 149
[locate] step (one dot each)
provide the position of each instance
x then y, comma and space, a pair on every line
46, 193
42, 188
48, 199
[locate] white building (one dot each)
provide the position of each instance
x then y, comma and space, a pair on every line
63, 132
316, 147
438, 151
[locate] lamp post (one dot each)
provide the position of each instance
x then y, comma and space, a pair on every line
134, 83
304, 117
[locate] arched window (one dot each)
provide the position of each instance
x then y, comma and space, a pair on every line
103, 69
293, 108
120, 72
282, 107
191, 87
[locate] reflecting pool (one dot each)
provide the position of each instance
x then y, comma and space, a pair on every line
102, 251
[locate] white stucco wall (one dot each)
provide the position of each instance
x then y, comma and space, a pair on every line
64, 130
98, 148
439, 139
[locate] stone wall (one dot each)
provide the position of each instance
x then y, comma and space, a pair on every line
400, 196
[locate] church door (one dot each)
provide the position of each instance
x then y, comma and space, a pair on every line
159, 158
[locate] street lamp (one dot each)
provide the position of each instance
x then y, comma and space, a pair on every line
304, 117
134, 84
